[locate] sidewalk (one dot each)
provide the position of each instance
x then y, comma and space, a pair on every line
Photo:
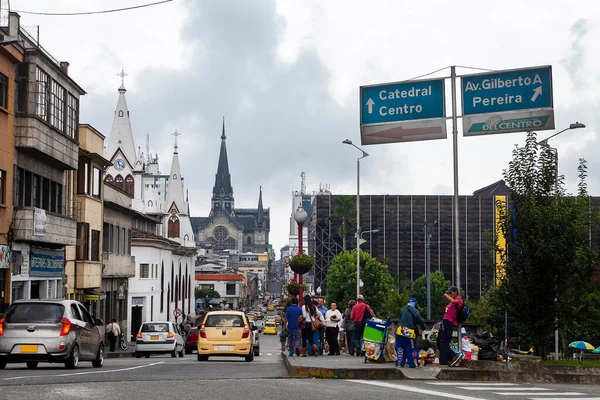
347, 367
118, 353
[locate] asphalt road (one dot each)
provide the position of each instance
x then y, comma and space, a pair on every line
163, 377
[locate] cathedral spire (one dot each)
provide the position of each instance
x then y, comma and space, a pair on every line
121, 135
222, 191
260, 210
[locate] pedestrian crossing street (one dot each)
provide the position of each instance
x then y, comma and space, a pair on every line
512, 390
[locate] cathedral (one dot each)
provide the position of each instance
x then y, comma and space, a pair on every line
245, 230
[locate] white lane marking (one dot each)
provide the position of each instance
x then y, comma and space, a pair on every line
416, 390
471, 384
564, 398
84, 373
514, 389
542, 394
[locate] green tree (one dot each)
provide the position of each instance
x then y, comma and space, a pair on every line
418, 290
206, 293
548, 261
341, 280
344, 212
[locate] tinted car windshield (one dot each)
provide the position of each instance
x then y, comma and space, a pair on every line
224, 320
34, 313
155, 327
193, 331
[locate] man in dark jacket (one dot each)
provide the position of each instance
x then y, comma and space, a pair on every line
406, 335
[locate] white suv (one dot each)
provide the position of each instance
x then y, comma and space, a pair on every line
255, 342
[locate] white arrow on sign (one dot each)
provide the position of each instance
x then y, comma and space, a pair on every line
536, 92
370, 105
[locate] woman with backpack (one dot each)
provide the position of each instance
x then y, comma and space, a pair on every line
313, 321
449, 322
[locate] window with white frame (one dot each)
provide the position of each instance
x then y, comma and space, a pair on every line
41, 93
57, 106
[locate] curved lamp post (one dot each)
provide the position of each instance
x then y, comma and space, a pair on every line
364, 154
300, 216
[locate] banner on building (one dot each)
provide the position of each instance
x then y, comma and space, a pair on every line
39, 222
4, 257
46, 262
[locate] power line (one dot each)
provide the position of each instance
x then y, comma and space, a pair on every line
93, 12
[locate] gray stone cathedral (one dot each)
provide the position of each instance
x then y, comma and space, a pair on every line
228, 228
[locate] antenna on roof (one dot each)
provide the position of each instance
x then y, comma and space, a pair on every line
303, 184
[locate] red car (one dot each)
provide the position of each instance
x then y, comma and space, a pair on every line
191, 341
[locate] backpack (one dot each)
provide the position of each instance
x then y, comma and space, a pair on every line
463, 313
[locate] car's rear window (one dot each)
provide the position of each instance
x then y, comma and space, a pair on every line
270, 324
193, 331
24, 313
155, 327
224, 320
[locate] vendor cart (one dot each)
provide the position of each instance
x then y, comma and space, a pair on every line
375, 338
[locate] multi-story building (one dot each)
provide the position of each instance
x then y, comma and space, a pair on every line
46, 148
84, 274
400, 238
118, 265
11, 53
228, 285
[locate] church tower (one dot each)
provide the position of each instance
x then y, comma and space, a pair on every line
177, 219
222, 197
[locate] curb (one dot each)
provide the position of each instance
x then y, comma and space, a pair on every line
119, 354
477, 372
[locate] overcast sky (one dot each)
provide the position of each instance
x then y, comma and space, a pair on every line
285, 74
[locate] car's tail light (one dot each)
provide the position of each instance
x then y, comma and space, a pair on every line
66, 326
139, 335
202, 332
1, 326
170, 335
246, 332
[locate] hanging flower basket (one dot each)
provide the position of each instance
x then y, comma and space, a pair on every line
293, 289
301, 264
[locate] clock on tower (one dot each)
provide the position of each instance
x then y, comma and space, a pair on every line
119, 164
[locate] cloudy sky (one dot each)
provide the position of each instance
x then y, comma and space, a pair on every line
286, 73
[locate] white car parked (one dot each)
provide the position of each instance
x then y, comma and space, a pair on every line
159, 337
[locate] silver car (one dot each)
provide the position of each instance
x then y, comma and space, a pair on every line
58, 331
158, 337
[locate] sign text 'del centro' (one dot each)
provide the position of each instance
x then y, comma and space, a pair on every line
402, 101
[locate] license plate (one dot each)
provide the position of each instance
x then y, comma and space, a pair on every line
223, 348
154, 337
29, 348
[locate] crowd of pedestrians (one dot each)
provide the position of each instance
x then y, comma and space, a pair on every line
309, 327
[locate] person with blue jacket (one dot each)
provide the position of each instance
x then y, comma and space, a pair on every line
406, 335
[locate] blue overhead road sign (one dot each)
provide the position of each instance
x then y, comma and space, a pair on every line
514, 90
402, 101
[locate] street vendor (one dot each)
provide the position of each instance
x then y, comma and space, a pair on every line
409, 321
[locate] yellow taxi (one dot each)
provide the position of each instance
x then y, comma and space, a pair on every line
278, 319
225, 333
251, 316
270, 328
271, 307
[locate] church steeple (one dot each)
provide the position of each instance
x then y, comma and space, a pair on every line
260, 211
121, 135
222, 197
175, 189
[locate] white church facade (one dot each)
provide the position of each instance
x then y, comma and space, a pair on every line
162, 239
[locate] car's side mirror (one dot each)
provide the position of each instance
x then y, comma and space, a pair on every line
98, 321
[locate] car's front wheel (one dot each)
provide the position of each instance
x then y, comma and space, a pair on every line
73, 360
99, 361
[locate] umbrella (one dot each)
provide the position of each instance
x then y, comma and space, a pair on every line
580, 345
597, 351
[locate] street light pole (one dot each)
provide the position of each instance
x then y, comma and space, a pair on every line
357, 235
300, 216
544, 142
428, 265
